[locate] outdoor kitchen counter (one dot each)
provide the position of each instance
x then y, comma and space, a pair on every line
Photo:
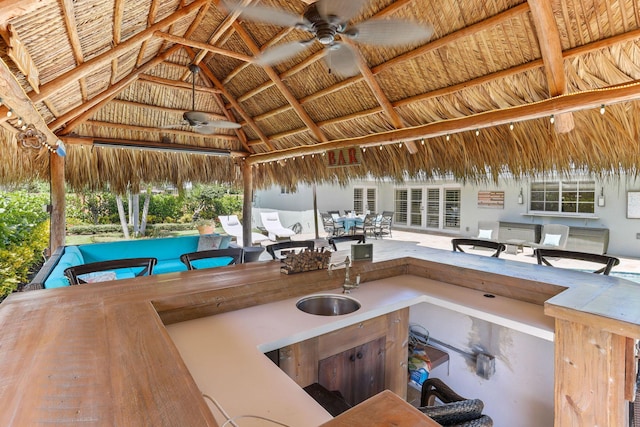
224, 353
101, 355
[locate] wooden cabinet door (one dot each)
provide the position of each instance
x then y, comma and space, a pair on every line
358, 373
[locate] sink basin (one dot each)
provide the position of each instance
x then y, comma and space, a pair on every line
328, 305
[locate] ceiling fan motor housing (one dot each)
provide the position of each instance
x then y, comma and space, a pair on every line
324, 28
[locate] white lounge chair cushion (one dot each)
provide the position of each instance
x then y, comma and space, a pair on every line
551, 239
485, 234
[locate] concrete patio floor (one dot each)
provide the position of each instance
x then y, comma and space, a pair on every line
443, 241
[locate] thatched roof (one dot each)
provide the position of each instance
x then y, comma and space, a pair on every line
475, 100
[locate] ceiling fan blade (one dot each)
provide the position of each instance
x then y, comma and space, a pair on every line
341, 59
204, 129
389, 32
343, 9
199, 118
264, 14
222, 124
282, 52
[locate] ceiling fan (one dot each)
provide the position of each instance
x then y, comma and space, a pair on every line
199, 121
326, 19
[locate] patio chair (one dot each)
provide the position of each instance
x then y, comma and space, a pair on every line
331, 226
271, 222
291, 245
357, 238
488, 230
233, 227
553, 236
543, 255
383, 226
212, 258
368, 225
497, 247
103, 271
455, 410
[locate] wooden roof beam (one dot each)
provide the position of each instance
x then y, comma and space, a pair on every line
219, 32
13, 96
69, 16
100, 61
551, 49
203, 46
358, 115
151, 18
556, 105
273, 75
270, 43
375, 88
567, 54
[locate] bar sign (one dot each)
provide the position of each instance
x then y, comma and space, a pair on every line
350, 156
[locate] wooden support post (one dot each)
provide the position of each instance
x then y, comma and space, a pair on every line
247, 179
589, 376
57, 226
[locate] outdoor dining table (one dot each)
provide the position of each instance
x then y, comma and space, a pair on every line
350, 222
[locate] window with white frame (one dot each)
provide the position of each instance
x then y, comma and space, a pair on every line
364, 199
570, 197
401, 205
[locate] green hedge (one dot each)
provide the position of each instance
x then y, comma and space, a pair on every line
152, 229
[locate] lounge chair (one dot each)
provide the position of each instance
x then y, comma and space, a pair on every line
554, 236
233, 227
488, 230
271, 222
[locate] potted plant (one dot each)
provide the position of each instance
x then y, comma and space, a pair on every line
205, 226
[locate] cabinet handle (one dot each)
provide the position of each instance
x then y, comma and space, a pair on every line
352, 358
359, 355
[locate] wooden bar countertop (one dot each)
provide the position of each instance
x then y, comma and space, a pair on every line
100, 354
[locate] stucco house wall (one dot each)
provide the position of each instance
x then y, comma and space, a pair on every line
624, 232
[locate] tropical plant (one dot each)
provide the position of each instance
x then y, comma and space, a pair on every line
24, 235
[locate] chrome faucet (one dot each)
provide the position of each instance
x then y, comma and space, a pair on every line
347, 286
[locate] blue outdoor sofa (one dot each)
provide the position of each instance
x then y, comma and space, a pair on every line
166, 250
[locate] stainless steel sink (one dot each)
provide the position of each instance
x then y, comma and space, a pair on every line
328, 305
